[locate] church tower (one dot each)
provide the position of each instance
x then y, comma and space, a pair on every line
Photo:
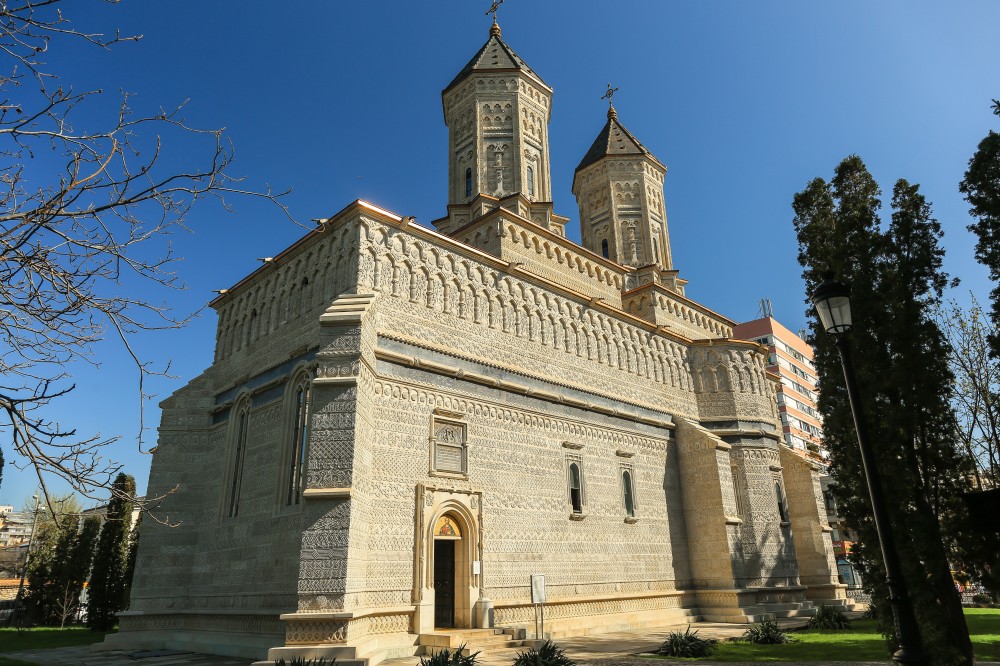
619, 189
497, 110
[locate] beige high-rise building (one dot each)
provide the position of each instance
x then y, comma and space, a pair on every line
791, 359
402, 425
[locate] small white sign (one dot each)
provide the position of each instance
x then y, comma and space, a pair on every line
537, 588
475, 567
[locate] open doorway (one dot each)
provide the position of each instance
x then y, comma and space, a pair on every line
447, 545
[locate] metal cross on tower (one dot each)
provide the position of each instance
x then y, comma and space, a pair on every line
493, 9
610, 95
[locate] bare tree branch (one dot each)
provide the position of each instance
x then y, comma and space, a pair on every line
72, 239
977, 388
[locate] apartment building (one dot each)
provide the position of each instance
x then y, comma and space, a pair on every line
791, 358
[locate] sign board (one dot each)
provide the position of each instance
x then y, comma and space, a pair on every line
537, 588
475, 567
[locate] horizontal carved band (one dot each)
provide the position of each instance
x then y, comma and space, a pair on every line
513, 387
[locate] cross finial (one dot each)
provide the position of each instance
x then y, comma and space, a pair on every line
609, 95
493, 9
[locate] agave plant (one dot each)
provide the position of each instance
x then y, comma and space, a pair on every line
448, 657
687, 644
829, 617
549, 654
766, 632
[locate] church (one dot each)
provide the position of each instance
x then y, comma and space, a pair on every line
402, 425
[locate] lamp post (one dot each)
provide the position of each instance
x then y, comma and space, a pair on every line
832, 300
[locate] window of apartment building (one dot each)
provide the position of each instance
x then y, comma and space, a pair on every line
238, 433
829, 502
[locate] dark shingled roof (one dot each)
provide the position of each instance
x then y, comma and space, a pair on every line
495, 55
614, 139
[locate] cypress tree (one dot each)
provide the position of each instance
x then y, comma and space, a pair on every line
59, 585
77, 569
107, 577
38, 597
133, 553
981, 187
904, 383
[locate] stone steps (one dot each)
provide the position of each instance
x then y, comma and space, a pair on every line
679, 616
790, 609
471, 640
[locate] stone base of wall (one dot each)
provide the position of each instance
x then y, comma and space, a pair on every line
246, 635
578, 617
744, 606
365, 638
364, 652
348, 636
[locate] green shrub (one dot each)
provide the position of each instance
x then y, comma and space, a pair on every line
549, 654
766, 632
302, 661
829, 617
687, 645
871, 613
448, 657
981, 599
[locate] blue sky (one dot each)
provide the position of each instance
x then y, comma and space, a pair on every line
744, 102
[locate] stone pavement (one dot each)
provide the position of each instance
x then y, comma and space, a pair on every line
621, 648
614, 649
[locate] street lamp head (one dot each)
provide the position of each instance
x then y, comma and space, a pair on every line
832, 300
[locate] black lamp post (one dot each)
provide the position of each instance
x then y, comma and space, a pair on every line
833, 305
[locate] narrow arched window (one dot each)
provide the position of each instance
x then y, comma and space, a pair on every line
531, 181
468, 182
239, 454
299, 437
575, 488
629, 497
780, 497
605, 251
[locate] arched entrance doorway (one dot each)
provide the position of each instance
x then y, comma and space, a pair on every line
447, 553
447, 559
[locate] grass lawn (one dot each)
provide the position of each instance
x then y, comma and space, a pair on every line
12, 640
859, 643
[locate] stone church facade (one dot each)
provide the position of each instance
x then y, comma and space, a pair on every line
401, 425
